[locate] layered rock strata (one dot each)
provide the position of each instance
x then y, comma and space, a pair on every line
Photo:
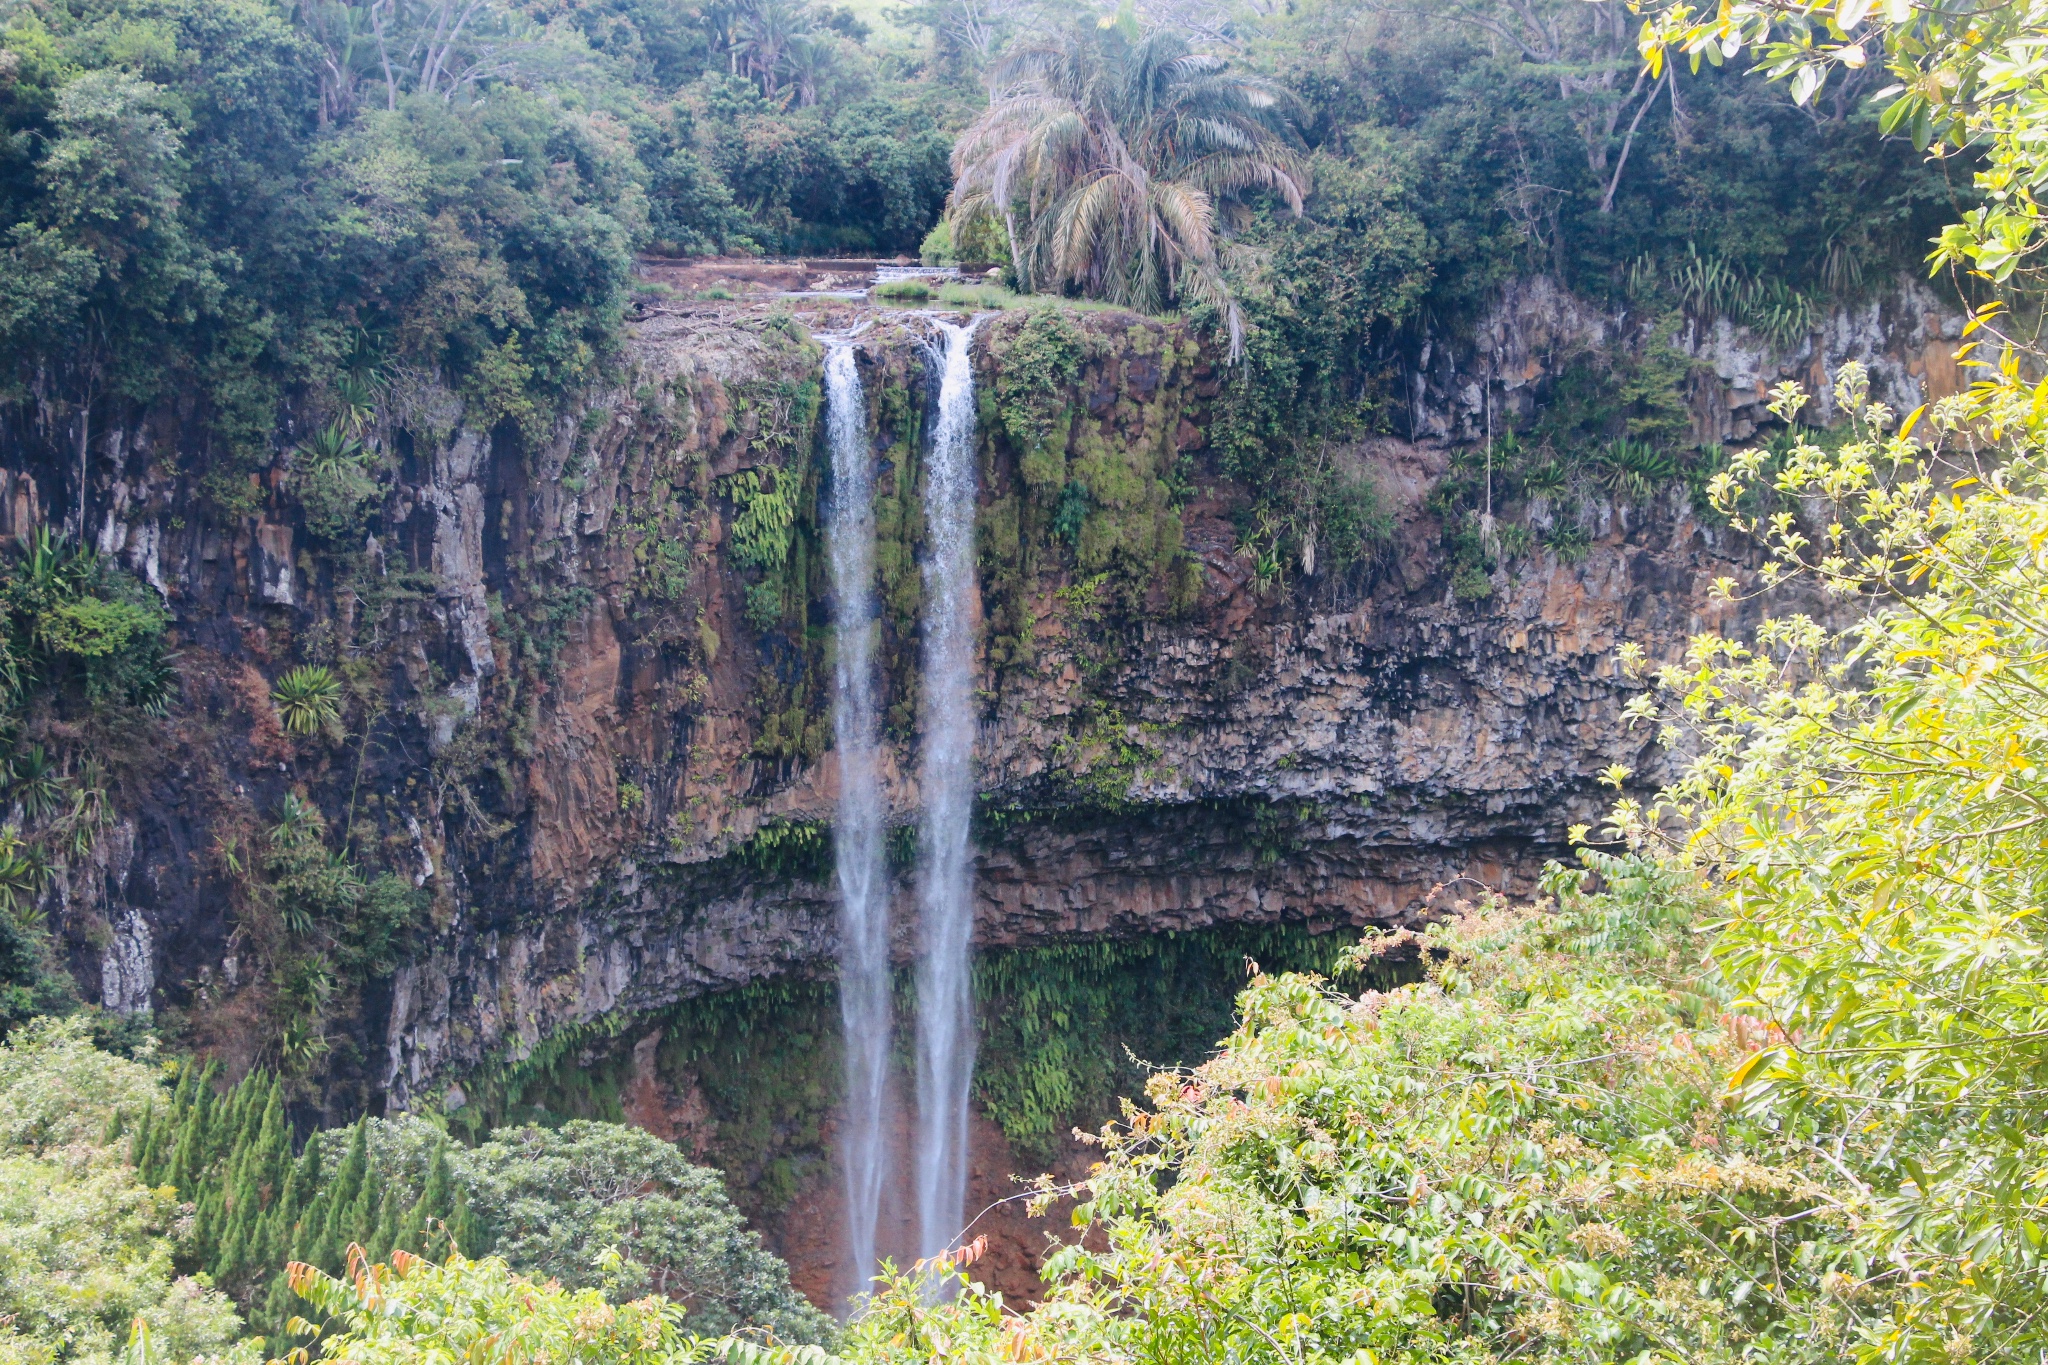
589, 728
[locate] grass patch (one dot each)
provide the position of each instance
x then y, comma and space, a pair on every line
982, 296
904, 291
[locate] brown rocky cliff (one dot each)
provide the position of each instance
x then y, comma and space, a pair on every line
562, 726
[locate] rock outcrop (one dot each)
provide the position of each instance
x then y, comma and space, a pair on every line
590, 729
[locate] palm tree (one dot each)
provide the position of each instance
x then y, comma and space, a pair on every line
768, 30
1112, 156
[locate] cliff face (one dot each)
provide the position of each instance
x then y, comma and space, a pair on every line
1462, 388
587, 709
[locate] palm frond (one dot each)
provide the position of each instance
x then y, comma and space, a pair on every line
1115, 156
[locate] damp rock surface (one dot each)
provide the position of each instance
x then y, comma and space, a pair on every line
589, 717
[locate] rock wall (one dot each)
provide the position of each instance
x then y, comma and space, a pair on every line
591, 733
1464, 388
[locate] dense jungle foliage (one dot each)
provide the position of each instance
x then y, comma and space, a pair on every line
252, 215
1759, 1080
249, 211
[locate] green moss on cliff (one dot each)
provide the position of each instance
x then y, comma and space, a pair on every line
899, 531
1082, 420
1067, 1028
747, 1080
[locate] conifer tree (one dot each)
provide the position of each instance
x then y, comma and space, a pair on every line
208, 1215
241, 1245
311, 1192
390, 1215
226, 1263
433, 1205
227, 1122
181, 1096
142, 1146
184, 1155
340, 1221
205, 1111
248, 1116
279, 1306
295, 1204
463, 1233
273, 1144
361, 1228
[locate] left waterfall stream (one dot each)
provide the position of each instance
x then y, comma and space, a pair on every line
857, 839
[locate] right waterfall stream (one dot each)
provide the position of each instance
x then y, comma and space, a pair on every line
945, 893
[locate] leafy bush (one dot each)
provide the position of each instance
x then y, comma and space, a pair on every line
333, 483
1316, 293
549, 1200
1522, 1155
327, 925
414, 1312
86, 1251
1868, 798
79, 630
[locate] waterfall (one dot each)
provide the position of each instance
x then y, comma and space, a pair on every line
857, 836
945, 1022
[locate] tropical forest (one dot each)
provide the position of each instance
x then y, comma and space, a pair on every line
1101, 682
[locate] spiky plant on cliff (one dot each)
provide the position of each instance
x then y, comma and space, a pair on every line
308, 699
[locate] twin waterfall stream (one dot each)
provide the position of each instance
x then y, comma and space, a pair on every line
945, 1015
862, 864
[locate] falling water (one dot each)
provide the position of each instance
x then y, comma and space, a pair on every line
945, 1024
857, 837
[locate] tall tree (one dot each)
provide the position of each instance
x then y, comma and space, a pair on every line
1115, 157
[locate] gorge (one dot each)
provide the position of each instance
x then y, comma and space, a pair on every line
1100, 681
793, 683
599, 681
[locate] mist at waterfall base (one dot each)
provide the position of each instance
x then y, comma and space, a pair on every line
857, 840
945, 1025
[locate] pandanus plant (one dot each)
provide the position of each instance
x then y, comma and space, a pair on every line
22, 874
1113, 157
34, 782
330, 448
308, 699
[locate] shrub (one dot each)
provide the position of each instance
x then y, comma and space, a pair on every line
85, 1249
333, 484
414, 1312
549, 1200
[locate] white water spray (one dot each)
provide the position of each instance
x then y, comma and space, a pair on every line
857, 836
945, 1015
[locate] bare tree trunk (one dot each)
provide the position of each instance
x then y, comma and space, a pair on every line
1607, 199
84, 445
1016, 257
443, 10
377, 12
